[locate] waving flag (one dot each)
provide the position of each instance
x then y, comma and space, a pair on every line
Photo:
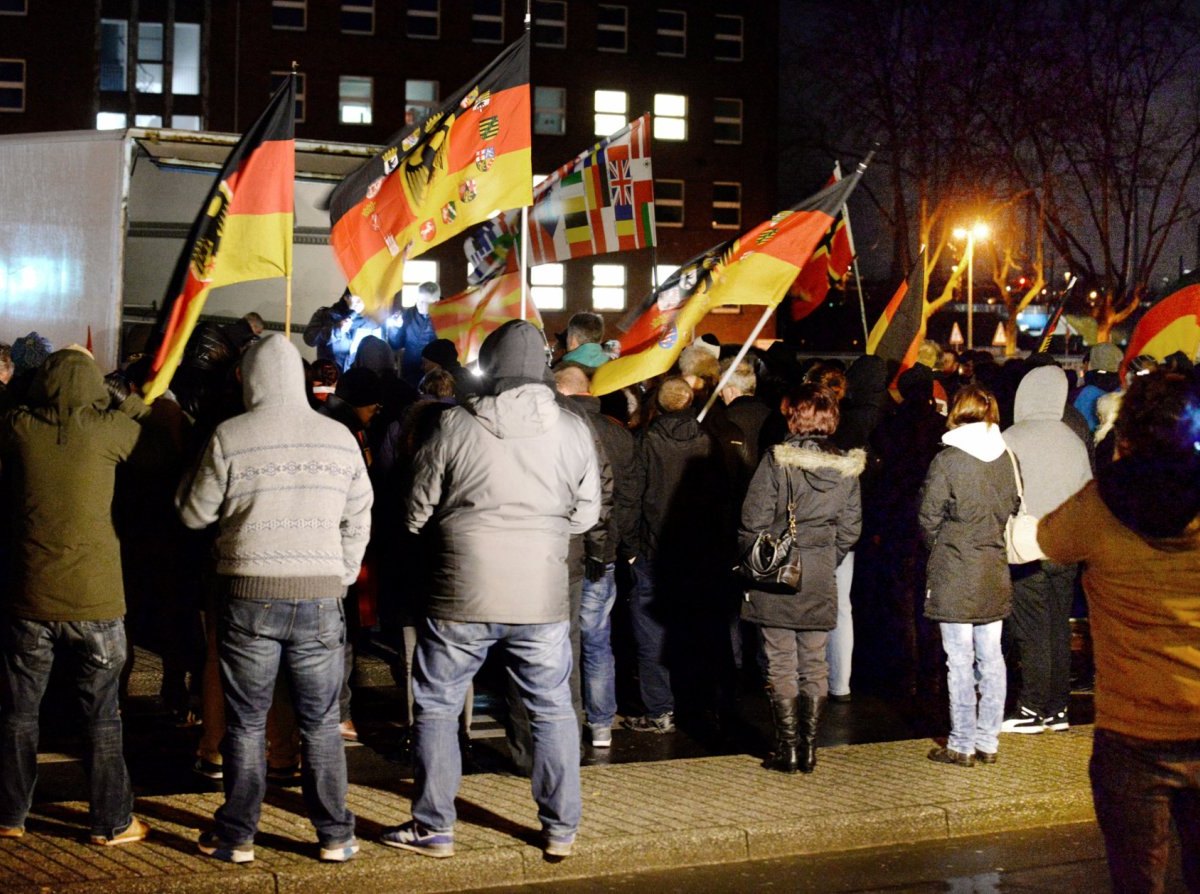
599, 202
1173, 324
243, 233
755, 268
435, 179
900, 328
468, 318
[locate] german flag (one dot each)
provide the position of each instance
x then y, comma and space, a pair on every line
756, 268
1173, 324
900, 328
436, 179
468, 318
243, 233
825, 270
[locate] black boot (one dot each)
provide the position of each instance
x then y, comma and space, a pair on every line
784, 758
810, 717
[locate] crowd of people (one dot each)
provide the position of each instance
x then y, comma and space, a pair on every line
256, 523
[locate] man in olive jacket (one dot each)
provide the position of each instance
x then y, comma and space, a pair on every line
59, 455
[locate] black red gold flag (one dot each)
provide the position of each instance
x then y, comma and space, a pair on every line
898, 332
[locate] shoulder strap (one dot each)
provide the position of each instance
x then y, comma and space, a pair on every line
1017, 475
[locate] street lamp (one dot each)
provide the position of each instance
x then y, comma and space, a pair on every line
978, 230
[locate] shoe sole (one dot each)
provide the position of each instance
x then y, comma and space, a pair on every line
559, 850
437, 851
602, 743
1058, 727
126, 837
1024, 730
338, 855
11, 833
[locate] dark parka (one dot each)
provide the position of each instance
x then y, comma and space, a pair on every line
967, 497
824, 486
59, 455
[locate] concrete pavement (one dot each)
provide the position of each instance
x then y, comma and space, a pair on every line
637, 816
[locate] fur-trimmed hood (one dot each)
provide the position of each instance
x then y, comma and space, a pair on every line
822, 464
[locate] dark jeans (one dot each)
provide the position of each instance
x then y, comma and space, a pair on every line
648, 615
1041, 625
97, 652
1138, 787
253, 639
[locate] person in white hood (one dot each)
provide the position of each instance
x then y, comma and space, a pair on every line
968, 495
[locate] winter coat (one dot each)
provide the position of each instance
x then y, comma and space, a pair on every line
588, 354
967, 498
507, 478
287, 487
618, 445
415, 333
1054, 462
866, 399
59, 455
824, 486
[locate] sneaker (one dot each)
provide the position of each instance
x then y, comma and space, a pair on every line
559, 846
1058, 722
601, 736
339, 853
208, 769
1026, 721
950, 756
136, 831
985, 757
412, 836
11, 831
284, 777
649, 723
211, 846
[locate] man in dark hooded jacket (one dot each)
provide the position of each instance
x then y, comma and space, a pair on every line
59, 455
506, 479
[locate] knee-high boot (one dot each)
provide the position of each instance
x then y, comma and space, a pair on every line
809, 718
784, 758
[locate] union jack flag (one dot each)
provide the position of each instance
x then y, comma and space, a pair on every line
620, 182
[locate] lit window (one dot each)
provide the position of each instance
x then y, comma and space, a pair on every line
487, 21
670, 116
185, 60
186, 122
415, 273
420, 100
12, 85
354, 100
550, 23
727, 120
550, 110
662, 273
608, 287
424, 19
147, 120
149, 76
277, 78
612, 29
13, 7
670, 36
546, 287
358, 17
289, 15
727, 206
114, 43
612, 110
728, 39
110, 121
668, 203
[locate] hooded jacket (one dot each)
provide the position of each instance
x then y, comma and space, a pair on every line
966, 500
287, 487
1053, 461
505, 480
59, 455
824, 485
1136, 529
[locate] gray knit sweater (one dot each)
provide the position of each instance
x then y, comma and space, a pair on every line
287, 487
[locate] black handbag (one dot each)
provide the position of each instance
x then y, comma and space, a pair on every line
773, 560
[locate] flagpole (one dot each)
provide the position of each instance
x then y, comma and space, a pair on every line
287, 289
741, 355
862, 304
525, 208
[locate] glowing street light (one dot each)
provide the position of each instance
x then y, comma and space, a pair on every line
978, 230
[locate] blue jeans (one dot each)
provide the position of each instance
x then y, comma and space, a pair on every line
840, 650
254, 638
97, 652
647, 615
539, 663
1139, 786
973, 655
599, 667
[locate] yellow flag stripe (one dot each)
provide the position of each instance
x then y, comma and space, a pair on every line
253, 246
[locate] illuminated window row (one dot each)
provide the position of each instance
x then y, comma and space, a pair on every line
611, 113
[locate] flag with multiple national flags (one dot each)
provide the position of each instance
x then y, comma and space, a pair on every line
435, 179
243, 232
468, 318
755, 268
601, 201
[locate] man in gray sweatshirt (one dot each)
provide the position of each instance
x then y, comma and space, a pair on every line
289, 493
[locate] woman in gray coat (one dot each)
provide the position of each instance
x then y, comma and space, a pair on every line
820, 482
968, 495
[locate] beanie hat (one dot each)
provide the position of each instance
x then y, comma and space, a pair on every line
515, 354
30, 351
1105, 357
360, 387
442, 352
916, 383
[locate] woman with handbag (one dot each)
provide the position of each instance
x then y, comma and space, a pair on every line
801, 515
968, 496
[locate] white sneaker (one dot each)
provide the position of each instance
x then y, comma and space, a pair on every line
1026, 721
601, 736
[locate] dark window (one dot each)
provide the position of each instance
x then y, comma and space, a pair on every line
670, 36
12, 85
13, 7
612, 29
727, 205
727, 120
277, 79
487, 21
668, 203
424, 19
728, 38
550, 23
289, 15
358, 17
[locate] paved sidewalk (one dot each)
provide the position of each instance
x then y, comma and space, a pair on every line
636, 817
